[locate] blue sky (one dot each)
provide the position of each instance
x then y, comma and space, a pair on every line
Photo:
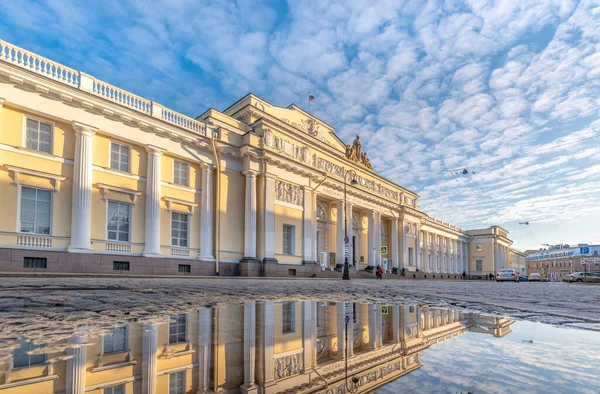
509, 90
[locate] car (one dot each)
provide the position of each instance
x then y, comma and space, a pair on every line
535, 277
507, 274
575, 277
523, 279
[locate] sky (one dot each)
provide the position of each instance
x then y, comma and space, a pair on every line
508, 90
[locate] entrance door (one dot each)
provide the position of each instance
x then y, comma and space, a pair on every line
354, 250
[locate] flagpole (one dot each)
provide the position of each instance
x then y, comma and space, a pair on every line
309, 101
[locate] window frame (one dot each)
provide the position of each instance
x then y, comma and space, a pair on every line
183, 379
24, 134
111, 389
187, 173
126, 326
19, 202
187, 331
292, 250
129, 164
477, 262
187, 229
292, 320
29, 364
130, 213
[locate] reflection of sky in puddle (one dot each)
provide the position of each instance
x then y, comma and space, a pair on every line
299, 347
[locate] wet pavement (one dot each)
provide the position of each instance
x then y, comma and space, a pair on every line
120, 338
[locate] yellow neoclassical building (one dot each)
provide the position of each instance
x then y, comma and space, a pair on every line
260, 347
94, 179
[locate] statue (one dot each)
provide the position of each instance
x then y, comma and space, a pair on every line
355, 153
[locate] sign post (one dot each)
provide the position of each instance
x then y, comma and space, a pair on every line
384, 309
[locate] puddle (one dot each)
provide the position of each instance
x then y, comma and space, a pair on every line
299, 347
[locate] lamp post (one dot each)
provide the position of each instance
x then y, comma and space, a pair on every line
346, 273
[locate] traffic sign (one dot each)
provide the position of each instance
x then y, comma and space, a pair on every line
347, 250
384, 250
384, 309
584, 250
346, 240
347, 319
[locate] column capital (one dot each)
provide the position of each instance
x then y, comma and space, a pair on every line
2, 100
82, 128
269, 176
154, 150
206, 166
250, 173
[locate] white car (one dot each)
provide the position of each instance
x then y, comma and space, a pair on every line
507, 274
575, 277
534, 277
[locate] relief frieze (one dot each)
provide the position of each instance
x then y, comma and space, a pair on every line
286, 192
286, 147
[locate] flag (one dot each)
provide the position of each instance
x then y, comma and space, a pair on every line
311, 97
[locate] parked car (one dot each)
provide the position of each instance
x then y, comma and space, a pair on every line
523, 279
575, 277
535, 277
507, 274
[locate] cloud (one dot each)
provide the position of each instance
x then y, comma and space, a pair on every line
493, 86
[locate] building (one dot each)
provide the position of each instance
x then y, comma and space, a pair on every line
95, 179
517, 261
258, 347
558, 262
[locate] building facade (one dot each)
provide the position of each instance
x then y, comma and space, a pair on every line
259, 347
95, 179
558, 262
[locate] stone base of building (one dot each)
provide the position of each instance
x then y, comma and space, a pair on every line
251, 267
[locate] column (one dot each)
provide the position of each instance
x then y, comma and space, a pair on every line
313, 329
76, 364
340, 234
249, 346
466, 256
152, 234
341, 329
454, 260
377, 239
427, 313
461, 267
371, 242
379, 318
250, 216
395, 246
396, 323
269, 218
206, 213
441, 253
307, 227
419, 320
418, 247
204, 347
149, 352
348, 225
307, 334
266, 339
425, 261
315, 252
373, 310
404, 246
434, 252
81, 212
403, 322
445, 254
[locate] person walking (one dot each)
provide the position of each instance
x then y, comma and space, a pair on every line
464, 275
379, 272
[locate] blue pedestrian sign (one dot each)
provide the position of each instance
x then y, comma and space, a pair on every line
584, 250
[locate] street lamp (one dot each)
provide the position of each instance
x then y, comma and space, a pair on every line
346, 274
355, 379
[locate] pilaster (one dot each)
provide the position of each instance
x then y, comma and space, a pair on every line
250, 217
341, 329
339, 236
395, 250
204, 349
206, 214
76, 362
152, 233
269, 218
307, 228
249, 347
418, 247
149, 353
371, 242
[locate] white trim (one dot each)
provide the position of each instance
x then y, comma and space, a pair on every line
112, 383
189, 215
19, 194
20, 170
106, 240
133, 193
287, 204
118, 173
34, 153
24, 133
170, 200
110, 155
126, 343
176, 369
179, 187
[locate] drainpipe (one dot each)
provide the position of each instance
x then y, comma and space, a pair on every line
218, 207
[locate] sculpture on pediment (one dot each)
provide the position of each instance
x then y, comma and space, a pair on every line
312, 128
354, 152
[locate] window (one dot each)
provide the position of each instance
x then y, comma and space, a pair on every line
354, 312
119, 157
185, 268
21, 358
178, 329
478, 248
322, 315
288, 317
411, 309
118, 221
179, 229
35, 262
177, 383
478, 265
116, 341
36, 210
411, 260
38, 135
120, 389
288, 239
180, 173
120, 265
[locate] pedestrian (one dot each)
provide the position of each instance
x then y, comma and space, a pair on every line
464, 275
491, 276
379, 272
487, 278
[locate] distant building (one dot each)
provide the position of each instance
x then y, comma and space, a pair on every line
556, 263
517, 260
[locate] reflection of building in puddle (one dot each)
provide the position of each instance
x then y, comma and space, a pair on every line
262, 347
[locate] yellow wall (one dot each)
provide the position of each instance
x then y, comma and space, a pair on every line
292, 340
293, 217
233, 186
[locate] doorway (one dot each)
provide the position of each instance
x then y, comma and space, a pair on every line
354, 250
